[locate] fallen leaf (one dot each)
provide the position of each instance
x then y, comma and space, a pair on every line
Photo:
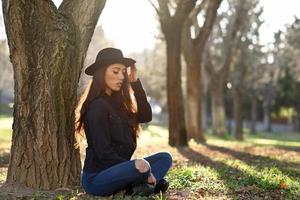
282, 185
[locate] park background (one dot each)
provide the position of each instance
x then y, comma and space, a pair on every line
242, 131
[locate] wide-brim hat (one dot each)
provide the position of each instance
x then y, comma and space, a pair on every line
106, 57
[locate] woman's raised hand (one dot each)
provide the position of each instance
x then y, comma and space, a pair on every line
133, 73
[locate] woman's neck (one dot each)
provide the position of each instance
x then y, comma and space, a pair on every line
108, 91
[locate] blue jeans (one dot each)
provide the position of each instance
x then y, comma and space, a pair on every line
118, 177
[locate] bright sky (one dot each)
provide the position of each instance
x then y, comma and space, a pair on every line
131, 24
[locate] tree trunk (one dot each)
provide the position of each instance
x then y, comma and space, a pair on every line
218, 110
193, 51
171, 28
47, 49
253, 114
267, 115
204, 113
194, 109
238, 128
177, 129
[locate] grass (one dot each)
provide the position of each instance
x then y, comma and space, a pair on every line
263, 166
5, 132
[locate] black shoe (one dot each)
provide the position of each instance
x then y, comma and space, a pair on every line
161, 186
143, 189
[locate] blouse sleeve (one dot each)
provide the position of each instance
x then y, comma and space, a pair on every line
144, 111
97, 120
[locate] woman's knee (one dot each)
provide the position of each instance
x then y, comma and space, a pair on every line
142, 165
167, 157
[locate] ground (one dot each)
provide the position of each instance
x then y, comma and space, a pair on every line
265, 166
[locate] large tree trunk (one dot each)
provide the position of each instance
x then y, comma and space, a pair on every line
218, 110
194, 109
171, 28
177, 129
193, 51
47, 48
253, 114
237, 110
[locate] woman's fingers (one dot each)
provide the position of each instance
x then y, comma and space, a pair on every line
133, 73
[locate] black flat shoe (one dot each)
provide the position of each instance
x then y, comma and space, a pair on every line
161, 186
143, 189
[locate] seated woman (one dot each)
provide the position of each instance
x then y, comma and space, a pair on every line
110, 120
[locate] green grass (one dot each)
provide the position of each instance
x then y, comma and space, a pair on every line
261, 174
230, 175
5, 132
276, 139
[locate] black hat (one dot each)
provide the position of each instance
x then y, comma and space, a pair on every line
106, 57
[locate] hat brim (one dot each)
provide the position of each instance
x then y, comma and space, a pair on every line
90, 70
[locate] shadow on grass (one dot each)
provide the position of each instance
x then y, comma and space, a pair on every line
260, 161
287, 148
233, 178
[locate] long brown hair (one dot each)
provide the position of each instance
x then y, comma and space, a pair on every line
95, 89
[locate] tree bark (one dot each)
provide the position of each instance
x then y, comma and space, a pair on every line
47, 48
193, 50
218, 110
171, 28
177, 130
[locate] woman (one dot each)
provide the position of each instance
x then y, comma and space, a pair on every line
110, 121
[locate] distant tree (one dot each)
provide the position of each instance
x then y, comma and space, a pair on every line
248, 55
289, 81
220, 53
193, 49
47, 49
171, 26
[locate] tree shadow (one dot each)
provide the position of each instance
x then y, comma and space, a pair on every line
288, 148
230, 175
260, 161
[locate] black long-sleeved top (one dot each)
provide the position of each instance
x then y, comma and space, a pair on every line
109, 137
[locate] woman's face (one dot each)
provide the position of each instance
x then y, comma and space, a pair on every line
114, 77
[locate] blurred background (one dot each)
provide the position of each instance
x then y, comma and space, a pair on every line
239, 66
266, 71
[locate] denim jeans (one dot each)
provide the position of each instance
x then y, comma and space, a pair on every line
118, 177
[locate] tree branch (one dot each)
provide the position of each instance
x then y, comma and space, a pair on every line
184, 7
155, 8
209, 22
165, 12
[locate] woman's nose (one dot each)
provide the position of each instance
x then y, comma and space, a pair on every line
121, 76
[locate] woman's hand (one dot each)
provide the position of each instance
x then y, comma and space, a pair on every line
151, 179
133, 73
